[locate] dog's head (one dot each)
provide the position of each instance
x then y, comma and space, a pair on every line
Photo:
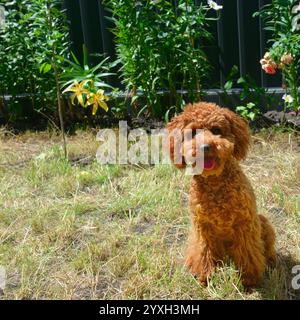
223, 135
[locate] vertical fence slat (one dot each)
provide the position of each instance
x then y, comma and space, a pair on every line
91, 25
106, 36
220, 35
74, 17
251, 40
271, 80
107, 40
230, 54
241, 36
262, 41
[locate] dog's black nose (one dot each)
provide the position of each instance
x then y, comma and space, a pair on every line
205, 148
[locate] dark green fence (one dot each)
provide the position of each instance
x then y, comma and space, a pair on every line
239, 38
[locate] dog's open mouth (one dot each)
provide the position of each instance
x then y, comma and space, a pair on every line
209, 163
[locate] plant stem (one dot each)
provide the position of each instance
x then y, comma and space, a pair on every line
56, 76
294, 88
61, 119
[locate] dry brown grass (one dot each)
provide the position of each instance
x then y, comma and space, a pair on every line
87, 231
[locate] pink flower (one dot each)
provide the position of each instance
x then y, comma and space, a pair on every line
286, 58
263, 62
269, 68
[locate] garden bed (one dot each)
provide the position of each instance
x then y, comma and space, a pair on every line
280, 118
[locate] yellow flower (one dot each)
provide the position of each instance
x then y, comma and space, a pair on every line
97, 100
79, 91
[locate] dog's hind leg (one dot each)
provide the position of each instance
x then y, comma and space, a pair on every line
247, 253
268, 237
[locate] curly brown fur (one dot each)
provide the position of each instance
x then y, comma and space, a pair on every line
222, 202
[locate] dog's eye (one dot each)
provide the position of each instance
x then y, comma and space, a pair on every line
216, 131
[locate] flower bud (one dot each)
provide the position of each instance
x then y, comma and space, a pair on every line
286, 58
267, 56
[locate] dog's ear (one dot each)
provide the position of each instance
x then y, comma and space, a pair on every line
241, 132
175, 136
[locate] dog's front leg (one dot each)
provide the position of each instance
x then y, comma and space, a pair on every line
200, 258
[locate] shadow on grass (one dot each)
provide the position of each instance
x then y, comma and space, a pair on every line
278, 280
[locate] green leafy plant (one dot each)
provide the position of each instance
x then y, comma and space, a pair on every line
284, 52
160, 48
33, 45
18, 71
249, 111
51, 50
75, 71
86, 82
252, 96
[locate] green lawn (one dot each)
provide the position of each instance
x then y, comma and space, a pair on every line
79, 230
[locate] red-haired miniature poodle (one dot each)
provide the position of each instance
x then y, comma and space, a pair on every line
225, 222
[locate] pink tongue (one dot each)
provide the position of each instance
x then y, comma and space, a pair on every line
209, 163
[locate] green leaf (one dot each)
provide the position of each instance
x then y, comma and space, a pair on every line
102, 84
241, 80
251, 105
228, 85
240, 108
252, 115
45, 67
75, 58
142, 110
167, 114
134, 98
85, 55
42, 67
